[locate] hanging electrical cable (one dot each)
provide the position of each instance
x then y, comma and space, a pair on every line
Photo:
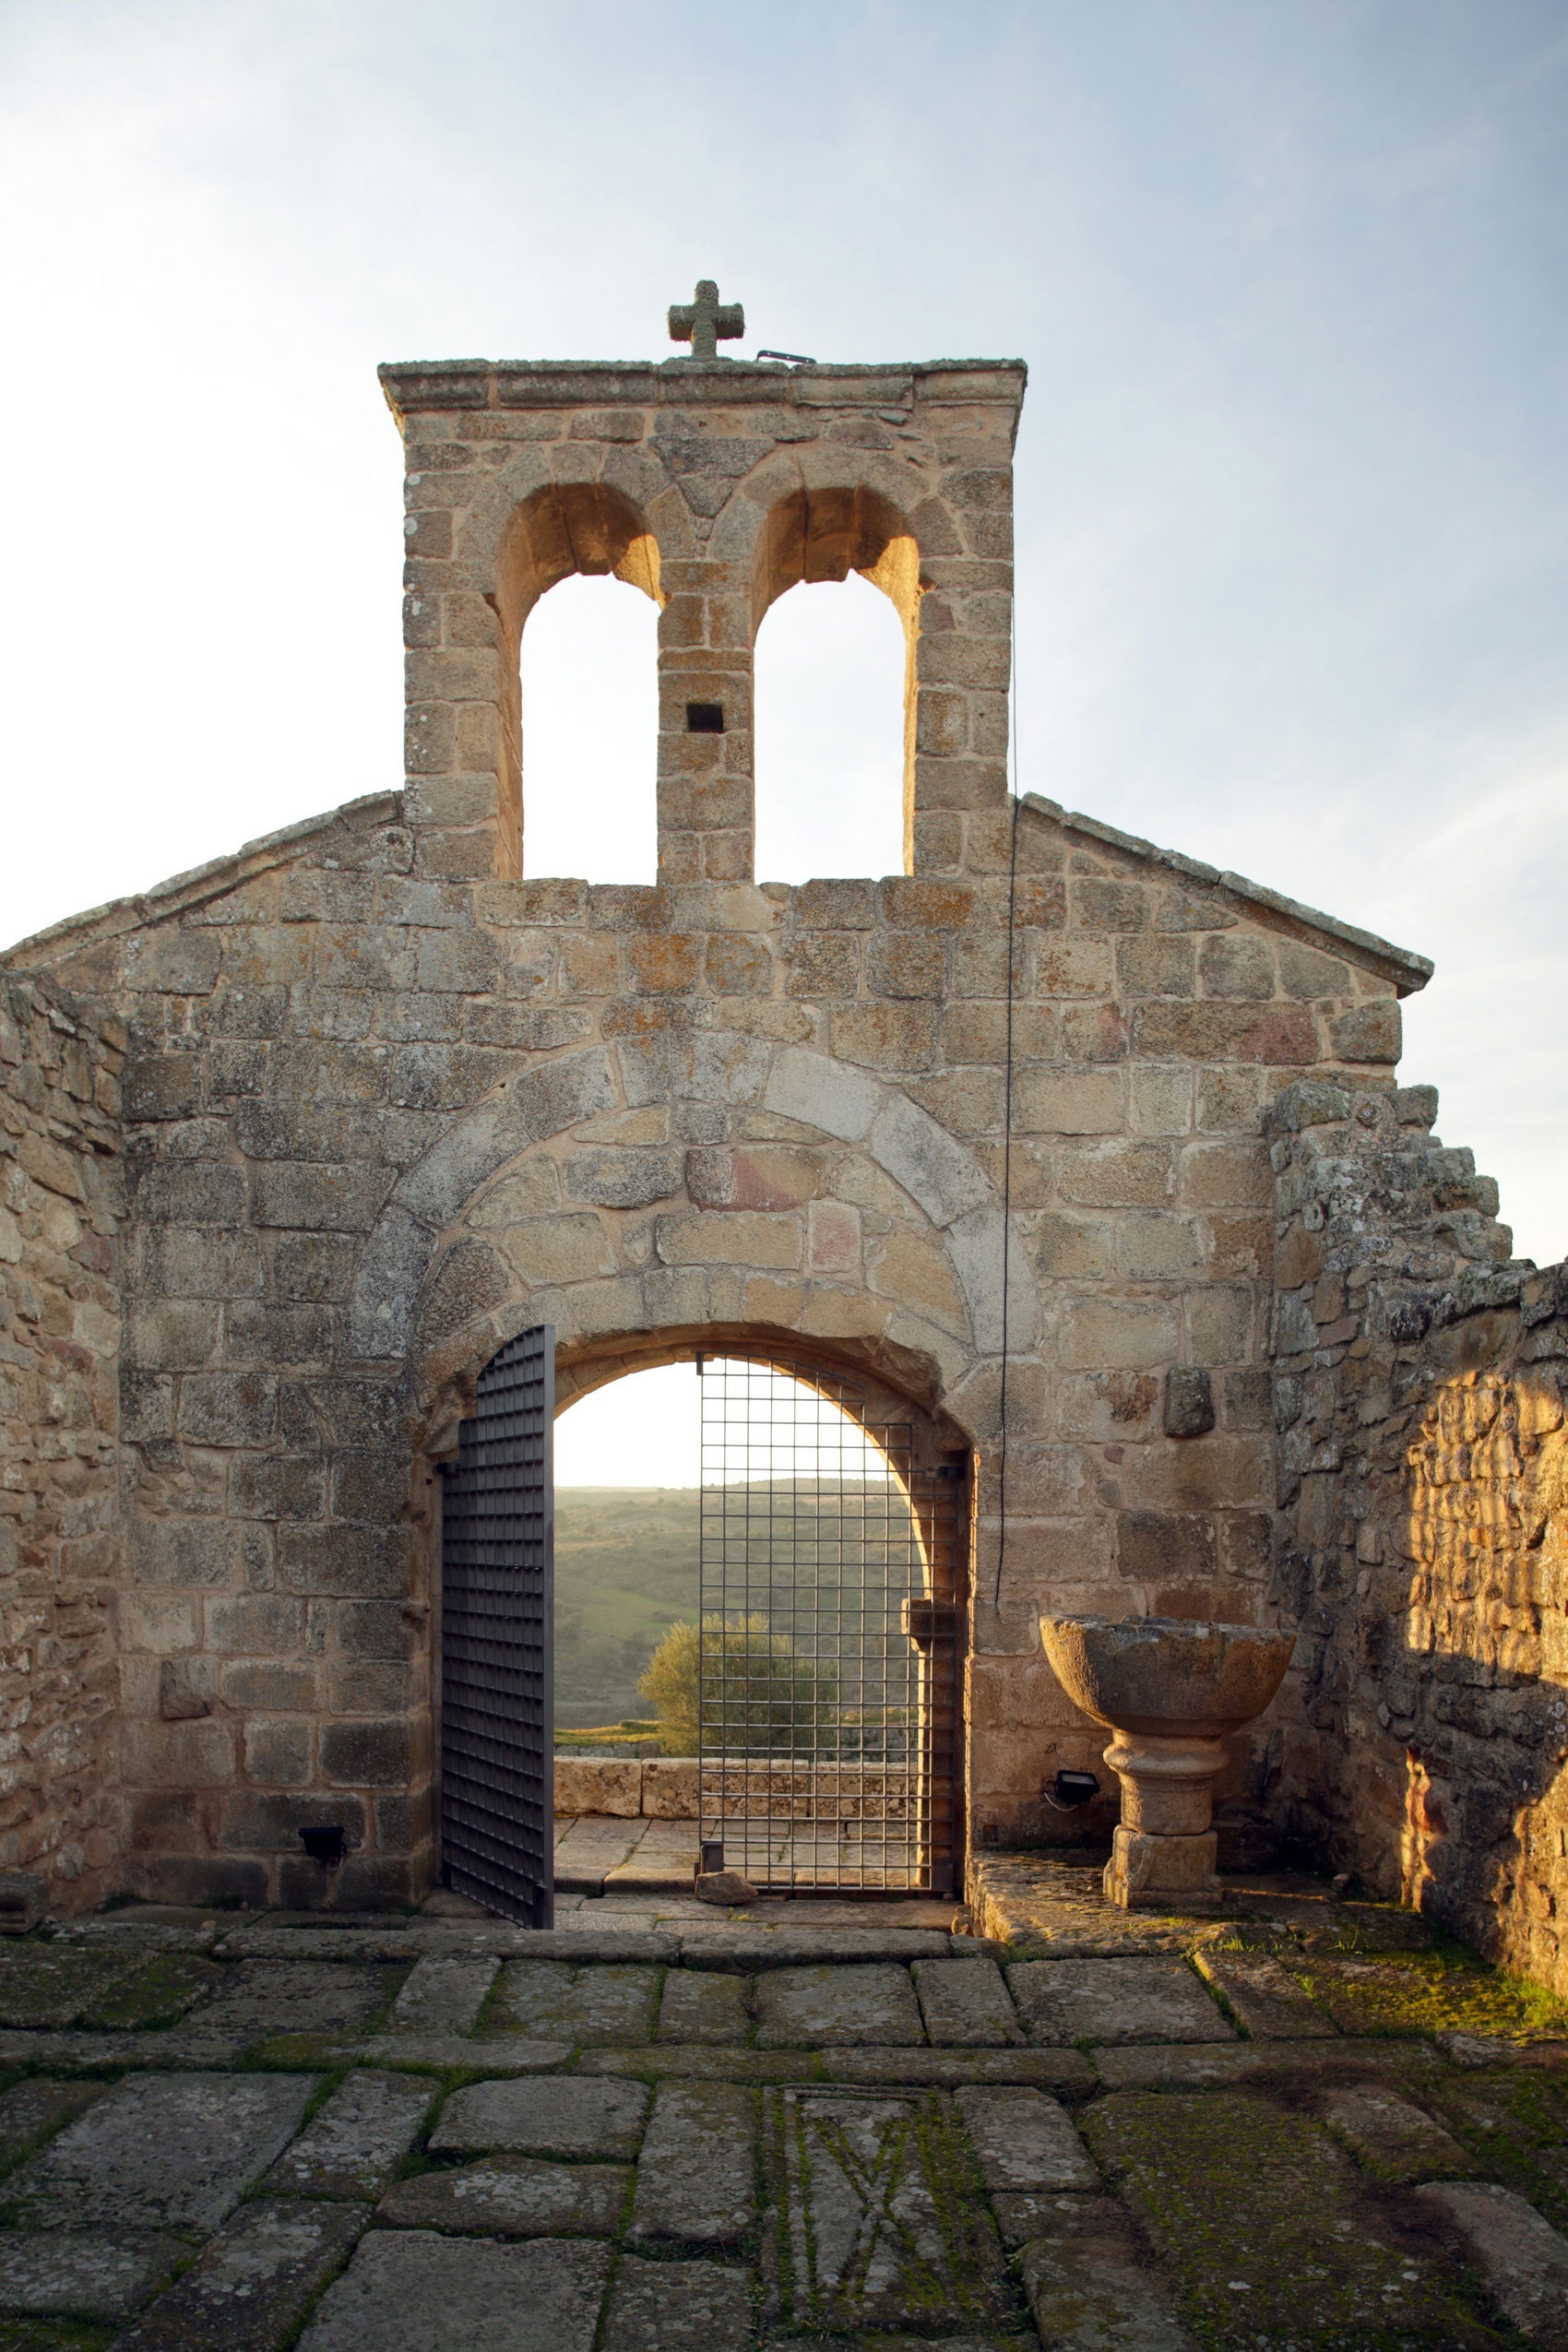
1007, 1129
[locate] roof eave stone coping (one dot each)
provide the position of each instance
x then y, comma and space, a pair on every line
1406, 970
202, 883
419, 387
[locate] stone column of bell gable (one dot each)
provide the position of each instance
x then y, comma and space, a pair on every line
957, 816
957, 822
707, 795
460, 719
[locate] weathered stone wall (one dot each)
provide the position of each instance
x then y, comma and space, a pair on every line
377, 1122
60, 1520
391, 1100
714, 488
1420, 1385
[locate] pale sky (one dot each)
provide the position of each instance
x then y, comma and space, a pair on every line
1292, 479
647, 1430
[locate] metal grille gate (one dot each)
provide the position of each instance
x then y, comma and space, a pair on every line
497, 1602
830, 1559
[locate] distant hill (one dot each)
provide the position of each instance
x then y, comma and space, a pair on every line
626, 1570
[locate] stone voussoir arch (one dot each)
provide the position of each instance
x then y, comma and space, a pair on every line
809, 469
951, 1205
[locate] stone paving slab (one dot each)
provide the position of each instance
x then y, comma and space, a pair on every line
827, 2008
179, 2050
1513, 2122
696, 2175
1033, 1903
678, 2306
1154, 1999
748, 1950
354, 2145
542, 2146
408, 1943
878, 2228
416, 2288
46, 1986
1035, 2069
156, 1992
1089, 2288
1023, 2215
1040, 1903
595, 1941
1269, 2002
1024, 2140
550, 1999
512, 2196
609, 1925
967, 2003
346, 1945
121, 1930
30, 2111
1492, 2050
548, 2115
298, 1997
668, 2062
1247, 2203
1391, 2135
93, 2273
1523, 2259
1047, 2070
442, 1993
253, 2284
1215, 2065
1419, 1993
894, 2340
159, 2151
699, 2006
436, 2052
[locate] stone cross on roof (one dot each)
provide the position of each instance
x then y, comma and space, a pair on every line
705, 322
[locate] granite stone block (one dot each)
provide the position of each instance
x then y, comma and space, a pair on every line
548, 2115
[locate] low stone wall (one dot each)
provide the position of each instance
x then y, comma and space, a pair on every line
660, 1788
60, 1526
665, 1788
1420, 1386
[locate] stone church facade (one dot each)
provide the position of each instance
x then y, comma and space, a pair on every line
295, 1143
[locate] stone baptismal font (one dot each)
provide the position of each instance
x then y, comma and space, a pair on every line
1169, 1691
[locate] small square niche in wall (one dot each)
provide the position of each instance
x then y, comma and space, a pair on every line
705, 719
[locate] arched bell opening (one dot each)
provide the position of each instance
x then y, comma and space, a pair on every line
829, 691
564, 529
814, 537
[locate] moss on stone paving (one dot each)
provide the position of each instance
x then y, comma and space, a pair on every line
45, 1986
1429, 1992
1516, 2125
157, 1994
1275, 2242
52, 2336
1345, 1927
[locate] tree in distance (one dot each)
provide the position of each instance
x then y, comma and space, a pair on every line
757, 1693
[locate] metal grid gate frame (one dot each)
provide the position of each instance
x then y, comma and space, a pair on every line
831, 1606
497, 1639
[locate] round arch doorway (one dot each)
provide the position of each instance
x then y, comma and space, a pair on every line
825, 1644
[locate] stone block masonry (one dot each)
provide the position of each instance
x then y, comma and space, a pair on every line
61, 1206
1420, 1384
390, 1097
345, 1191
858, 2177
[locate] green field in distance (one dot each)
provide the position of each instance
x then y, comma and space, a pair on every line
626, 1570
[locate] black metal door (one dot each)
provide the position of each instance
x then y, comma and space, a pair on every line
497, 1605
